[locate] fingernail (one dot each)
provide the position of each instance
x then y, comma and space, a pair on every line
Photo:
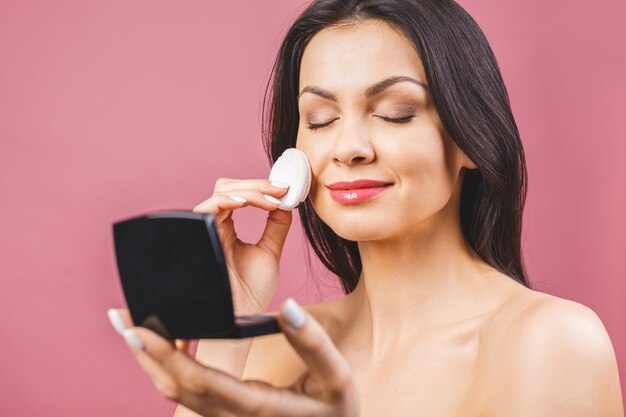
237, 198
132, 338
116, 320
279, 184
271, 199
294, 314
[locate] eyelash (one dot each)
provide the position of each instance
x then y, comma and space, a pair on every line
405, 119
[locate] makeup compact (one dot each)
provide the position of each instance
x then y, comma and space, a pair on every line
173, 271
175, 281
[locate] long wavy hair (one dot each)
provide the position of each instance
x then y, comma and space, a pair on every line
473, 105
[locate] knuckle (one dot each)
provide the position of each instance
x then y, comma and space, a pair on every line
168, 388
312, 387
258, 403
221, 181
341, 387
256, 408
344, 379
266, 186
194, 382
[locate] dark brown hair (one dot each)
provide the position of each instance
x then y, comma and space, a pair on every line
473, 105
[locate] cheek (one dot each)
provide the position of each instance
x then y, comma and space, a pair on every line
317, 156
420, 159
423, 169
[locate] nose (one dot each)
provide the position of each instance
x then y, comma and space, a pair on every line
352, 145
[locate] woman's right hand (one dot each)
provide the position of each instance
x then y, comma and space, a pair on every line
252, 269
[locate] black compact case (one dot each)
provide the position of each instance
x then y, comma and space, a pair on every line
175, 281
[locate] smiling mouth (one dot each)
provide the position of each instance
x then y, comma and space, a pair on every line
357, 184
357, 195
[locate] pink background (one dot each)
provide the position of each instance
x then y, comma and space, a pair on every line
114, 108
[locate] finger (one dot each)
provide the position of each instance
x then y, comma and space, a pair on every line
288, 402
276, 230
220, 205
125, 316
263, 186
165, 382
200, 384
121, 320
317, 350
298, 385
208, 391
236, 187
255, 198
162, 380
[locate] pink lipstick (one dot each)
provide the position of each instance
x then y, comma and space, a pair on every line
356, 191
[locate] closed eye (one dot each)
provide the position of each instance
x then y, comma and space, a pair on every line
404, 119
312, 126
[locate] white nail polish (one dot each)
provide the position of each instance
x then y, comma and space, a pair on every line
294, 314
237, 198
279, 184
271, 199
132, 338
116, 320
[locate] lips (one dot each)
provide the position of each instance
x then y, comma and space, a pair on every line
358, 184
357, 195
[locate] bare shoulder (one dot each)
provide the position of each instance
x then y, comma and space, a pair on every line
531, 316
272, 358
551, 356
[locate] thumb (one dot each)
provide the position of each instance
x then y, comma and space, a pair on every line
275, 233
317, 349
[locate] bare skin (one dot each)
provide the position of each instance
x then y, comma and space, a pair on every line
431, 329
474, 367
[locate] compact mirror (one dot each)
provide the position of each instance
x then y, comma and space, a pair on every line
175, 281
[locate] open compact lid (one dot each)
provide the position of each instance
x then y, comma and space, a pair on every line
174, 277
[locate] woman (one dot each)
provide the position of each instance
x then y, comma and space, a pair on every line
439, 318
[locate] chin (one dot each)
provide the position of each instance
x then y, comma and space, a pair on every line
359, 227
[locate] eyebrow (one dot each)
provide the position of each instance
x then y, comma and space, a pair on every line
377, 88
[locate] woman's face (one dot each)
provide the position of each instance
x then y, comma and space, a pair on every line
418, 158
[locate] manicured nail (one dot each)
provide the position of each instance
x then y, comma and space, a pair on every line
271, 199
294, 314
237, 198
279, 184
132, 338
116, 320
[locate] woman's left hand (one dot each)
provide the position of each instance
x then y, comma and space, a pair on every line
325, 389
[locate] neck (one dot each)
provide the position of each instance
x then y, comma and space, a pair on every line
415, 283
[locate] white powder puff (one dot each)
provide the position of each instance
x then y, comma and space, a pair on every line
293, 168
